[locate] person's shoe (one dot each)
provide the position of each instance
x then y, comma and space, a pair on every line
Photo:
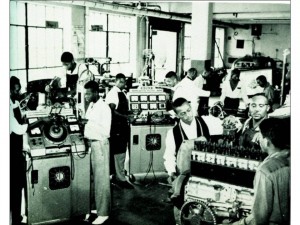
125, 184
87, 216
24, 219
100, 220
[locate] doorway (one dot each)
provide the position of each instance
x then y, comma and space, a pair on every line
164, 47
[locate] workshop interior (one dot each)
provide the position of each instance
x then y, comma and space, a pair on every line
144, 41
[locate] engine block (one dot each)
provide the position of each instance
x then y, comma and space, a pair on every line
221, 179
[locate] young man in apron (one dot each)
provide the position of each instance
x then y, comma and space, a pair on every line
179, 144
68, 82
119, 135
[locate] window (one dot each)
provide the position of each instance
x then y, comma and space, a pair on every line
45, 44
115, 40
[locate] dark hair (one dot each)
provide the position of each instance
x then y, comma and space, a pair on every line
192, 70
171, 74
235, 71
67, 57
179, 102
278, 131
93, 85
120, 76
262, 79
14, 81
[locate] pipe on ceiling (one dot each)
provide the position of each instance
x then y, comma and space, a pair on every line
128, 10
228, 24
253, 15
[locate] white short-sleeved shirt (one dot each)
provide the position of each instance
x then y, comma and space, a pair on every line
112, 96
14, 125
238, 92
99, 121
188, 90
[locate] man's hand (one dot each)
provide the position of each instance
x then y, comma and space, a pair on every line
48, 88
257, 138
202, 138
171, 178
130, 118
83, 121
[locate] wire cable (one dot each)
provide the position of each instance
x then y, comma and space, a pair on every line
150, 164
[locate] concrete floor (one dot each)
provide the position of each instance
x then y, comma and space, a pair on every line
144, 205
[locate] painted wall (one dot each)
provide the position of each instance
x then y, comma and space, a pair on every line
273, 40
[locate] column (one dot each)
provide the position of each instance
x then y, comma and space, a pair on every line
201, 40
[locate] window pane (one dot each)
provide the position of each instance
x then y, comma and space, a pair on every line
36, 15
17, 13
45, 47
17, 47
119, 47
36, 40
54, 47
97, 18
119, 23
97, 44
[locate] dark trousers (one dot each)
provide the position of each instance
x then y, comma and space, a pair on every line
17, 177
203, 106
118, 146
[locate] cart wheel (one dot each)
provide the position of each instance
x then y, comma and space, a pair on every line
131, 178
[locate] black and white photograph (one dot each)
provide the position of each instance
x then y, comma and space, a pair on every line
148, 113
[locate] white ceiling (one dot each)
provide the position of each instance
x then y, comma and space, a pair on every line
234, 12
226, 12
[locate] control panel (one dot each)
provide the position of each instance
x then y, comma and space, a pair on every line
148, 104
147, 98
62, 134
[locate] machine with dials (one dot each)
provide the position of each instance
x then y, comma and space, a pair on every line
62, 134
58, 168
220, 187
149, 129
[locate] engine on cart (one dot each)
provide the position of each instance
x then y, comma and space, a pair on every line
220, 188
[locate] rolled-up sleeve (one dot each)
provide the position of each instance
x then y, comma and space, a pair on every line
170, 153
14, 125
